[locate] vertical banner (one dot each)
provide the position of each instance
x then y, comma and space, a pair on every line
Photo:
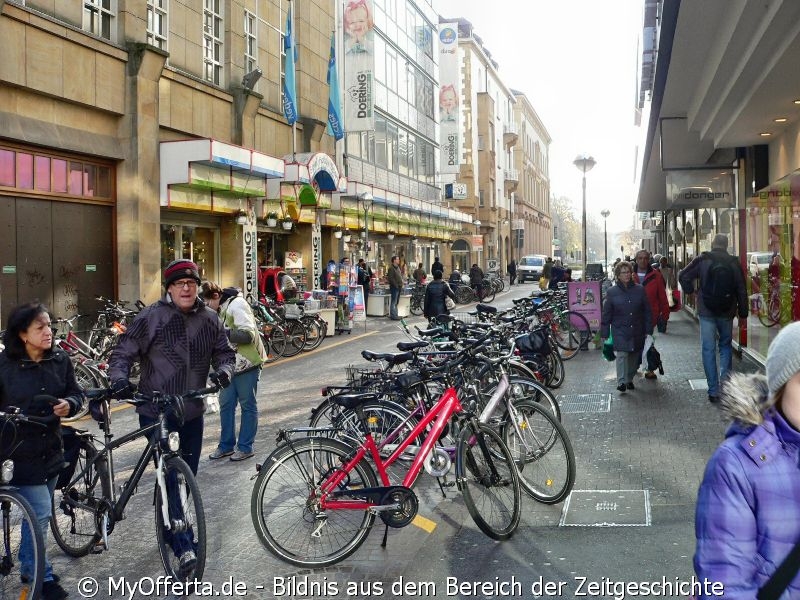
335, 127
359, 65
449, 98
289, 91
316, 255
250, 254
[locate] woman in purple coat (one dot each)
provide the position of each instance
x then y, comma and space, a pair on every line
748, 506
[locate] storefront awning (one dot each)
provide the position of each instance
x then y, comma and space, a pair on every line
210, 167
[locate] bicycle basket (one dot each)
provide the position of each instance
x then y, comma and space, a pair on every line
465, 318
535, 342
293, 311
361, 377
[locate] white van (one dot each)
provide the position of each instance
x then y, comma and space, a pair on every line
758, 262
530, 267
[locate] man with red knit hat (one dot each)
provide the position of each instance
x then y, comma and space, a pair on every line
176, 340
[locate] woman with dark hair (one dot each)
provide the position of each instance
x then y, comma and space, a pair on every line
435, 294
38, 380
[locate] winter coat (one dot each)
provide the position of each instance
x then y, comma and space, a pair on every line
395, 277
242, 332
175, 350
435, 294
38, 451
656, 291
748, 507
626, 313
698, 269
437, 266
475, 275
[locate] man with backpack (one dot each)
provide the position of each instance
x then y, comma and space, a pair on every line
722, 296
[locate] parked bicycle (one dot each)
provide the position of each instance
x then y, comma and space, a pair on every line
87, 507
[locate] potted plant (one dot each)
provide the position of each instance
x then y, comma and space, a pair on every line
272, 219
346, 236
287, 222
390, 234
337, 233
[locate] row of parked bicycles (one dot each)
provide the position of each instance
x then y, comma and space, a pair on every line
466, 402
465, 293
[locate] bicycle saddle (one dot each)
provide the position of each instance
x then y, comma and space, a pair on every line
392, 359
430, 332
408, 346
485, 308
352, 400
508, 318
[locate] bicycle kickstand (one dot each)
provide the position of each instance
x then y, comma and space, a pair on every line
385, 536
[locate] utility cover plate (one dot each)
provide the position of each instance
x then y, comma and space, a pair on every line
606, 508
584, 403
698, 384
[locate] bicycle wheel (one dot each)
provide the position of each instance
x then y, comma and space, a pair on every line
521, 389
274, 342
187, 531
556, 370
488, 481
74, 516
285, 509
486, 291
19, 520
542, 451
313, 333
571, 333
416, 305
464, 294
85, 378
295, 337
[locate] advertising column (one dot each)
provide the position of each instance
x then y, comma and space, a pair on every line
359, 66
449, 98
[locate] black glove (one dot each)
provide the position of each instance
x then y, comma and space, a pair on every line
121, 389
220, 378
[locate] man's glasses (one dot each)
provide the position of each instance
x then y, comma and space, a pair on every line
185, 283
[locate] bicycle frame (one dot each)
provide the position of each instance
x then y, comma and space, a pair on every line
447, 405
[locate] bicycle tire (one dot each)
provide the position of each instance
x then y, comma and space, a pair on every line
282, 504
73, 520
464, 294
569, 336
183, 489
85, 378
522, 389
295, 337
487, 292
544, 456
557, 371
275, 342
322, 325
312, 333
416, 306
17, 515
483, 491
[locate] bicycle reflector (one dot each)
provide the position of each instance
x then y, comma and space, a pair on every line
174, 441
7, 471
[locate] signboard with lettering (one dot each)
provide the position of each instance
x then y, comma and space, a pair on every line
316, 254
250, 255
584, 297
449, 98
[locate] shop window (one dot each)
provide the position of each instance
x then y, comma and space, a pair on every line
196, 243
24, 170
7, 170
59, 169
41, 174
89, 172
75, 178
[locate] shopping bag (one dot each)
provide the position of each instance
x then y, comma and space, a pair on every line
654, 360
670, 298
608, 348
542, 283
648, 343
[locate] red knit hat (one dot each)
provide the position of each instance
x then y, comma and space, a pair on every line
178, 269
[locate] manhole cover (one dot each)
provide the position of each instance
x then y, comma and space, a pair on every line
698, 384
606, 508
584, 403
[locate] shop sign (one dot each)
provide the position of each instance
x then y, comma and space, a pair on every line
91, 268
293, 259
9, 269
697, 189
477, 242
316, 253
250, 254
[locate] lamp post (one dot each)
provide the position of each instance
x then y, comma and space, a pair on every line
366, 203
604, 214
584, 163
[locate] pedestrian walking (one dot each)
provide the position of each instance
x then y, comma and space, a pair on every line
395, 287
722, 297
547, 271
557, 274
436, 294
242, 333
747, 519
656, 292
512, 271
627, 319
364, 279
419, 275
437, 265
39, 381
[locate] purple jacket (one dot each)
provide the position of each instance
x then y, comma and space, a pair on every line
175, 350
748, 506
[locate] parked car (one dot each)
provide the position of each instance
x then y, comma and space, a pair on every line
529, 268
758, 262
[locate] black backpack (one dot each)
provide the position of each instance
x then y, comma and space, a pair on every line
719, 286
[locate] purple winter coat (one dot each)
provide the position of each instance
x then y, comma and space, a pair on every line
748, 507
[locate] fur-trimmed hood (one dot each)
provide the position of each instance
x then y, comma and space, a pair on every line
745, 398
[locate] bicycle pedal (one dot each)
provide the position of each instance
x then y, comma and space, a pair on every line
98, 548
449, 484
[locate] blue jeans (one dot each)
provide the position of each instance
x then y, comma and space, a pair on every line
394, 298
243, 389
711, 329
41, 500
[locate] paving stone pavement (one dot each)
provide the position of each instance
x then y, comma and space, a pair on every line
656, 438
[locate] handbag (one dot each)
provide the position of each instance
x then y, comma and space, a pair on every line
449, 303
608, 348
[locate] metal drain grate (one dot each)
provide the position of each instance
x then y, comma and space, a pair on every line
698, 384
606, 508
584, 403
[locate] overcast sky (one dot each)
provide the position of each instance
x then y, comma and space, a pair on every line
576, 62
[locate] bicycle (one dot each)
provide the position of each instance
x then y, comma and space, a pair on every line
18, 520
86, 506
335, 488
417, 302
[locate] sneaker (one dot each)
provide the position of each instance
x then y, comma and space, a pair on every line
650, 375
52, 590
630, 386
217, 454
186, 563
621, 387
239, 455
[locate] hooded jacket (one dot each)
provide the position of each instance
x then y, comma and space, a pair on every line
748, 507
175, 350
656, 291
242, 331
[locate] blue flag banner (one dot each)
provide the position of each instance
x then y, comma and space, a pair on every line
289, 92
334, 127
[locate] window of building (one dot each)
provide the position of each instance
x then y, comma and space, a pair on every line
98, 17
213, 32
157, 26
250, 42
481, 198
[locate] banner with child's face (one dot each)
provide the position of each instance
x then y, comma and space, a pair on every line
449, 98
359, 65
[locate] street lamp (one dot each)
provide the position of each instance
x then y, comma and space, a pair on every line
584, 163
366, 203
604, 214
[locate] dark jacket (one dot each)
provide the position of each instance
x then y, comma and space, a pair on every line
557, 275
512, 268
698, 268
437, 266
626, 312
475, 275
38, 452
435, 294
395, 277
175, 350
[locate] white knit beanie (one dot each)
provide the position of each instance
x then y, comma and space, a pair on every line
783, 357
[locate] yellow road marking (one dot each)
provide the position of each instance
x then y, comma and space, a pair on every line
424, 523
